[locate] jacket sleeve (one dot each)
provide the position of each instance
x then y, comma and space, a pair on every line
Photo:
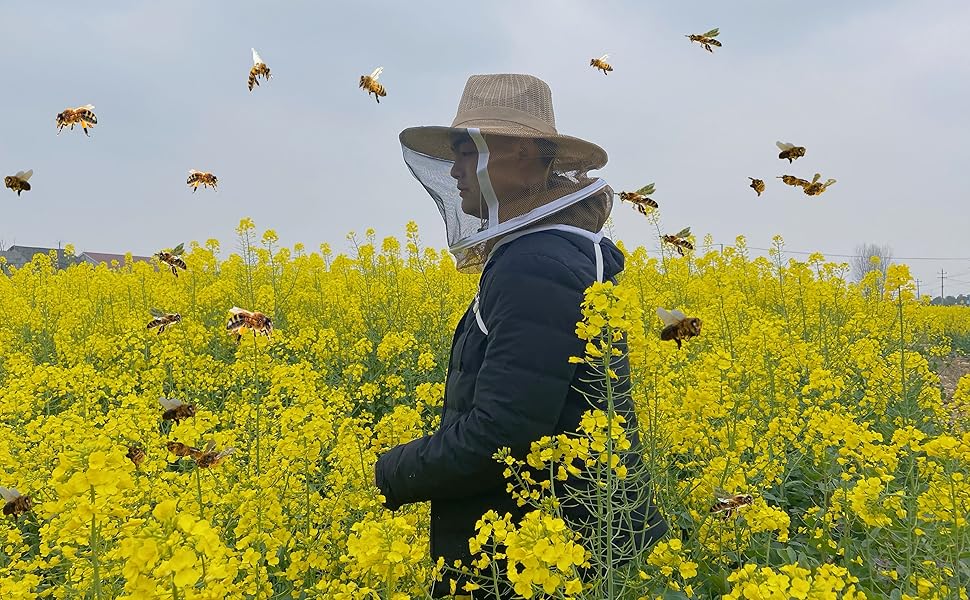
531, 308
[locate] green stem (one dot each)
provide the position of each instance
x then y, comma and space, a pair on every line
95, 563
198, 489
610, 416
259, 511
902, 357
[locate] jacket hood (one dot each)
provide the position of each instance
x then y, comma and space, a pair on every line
565, 247
613, 260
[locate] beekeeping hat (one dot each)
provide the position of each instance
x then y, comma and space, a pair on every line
515, 169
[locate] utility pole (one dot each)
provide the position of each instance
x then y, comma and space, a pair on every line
917, 289
942, 277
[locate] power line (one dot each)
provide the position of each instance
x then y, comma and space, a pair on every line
861, 256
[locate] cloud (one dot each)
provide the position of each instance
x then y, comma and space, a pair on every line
874, 90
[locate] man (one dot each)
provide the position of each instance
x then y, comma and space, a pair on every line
518, 206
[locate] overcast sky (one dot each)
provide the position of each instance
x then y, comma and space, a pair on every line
876, 90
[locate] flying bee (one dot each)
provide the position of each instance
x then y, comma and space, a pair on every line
757, 185
18, 181
243, 320
173, 258
790, 151
706, 39
162, 319
210, 458
678, 326
15, 503
793, 181
726, 504
259, 68
135, 454
679, 240
601, 64
640, 200
176, 410
369, 83
83, 116
816, 187
203, 178
182, 450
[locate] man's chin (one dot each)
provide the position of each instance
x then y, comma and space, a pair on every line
473, 211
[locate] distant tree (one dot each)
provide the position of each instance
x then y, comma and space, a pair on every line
863, 262
869, 258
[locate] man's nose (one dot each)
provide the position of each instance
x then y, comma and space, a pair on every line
455, 170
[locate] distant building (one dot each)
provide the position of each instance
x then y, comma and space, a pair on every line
18, 256
96, 258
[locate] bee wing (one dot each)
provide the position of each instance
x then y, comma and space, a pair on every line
784, 145
256, 57
685, 232
192, 171
667, 317
210, 447
604, 57
678, 315
376, 73
646, 190
829, 182
85, 107
225, 453
8, 494
179, 249
156, 312
235, 310
24, 175
816, 178
169, 403
712, 33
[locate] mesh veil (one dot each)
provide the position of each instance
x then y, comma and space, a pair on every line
496, 183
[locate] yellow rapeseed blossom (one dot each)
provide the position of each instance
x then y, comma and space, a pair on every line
816, 397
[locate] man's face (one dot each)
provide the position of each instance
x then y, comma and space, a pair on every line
464, 171
513, 167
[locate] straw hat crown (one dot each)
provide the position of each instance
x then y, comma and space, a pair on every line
517, 100
506, 104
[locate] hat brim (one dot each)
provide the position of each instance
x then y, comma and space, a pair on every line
572, 153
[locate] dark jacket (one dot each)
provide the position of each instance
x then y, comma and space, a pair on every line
508, 388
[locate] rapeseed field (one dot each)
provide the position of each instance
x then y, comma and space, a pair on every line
811, 401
